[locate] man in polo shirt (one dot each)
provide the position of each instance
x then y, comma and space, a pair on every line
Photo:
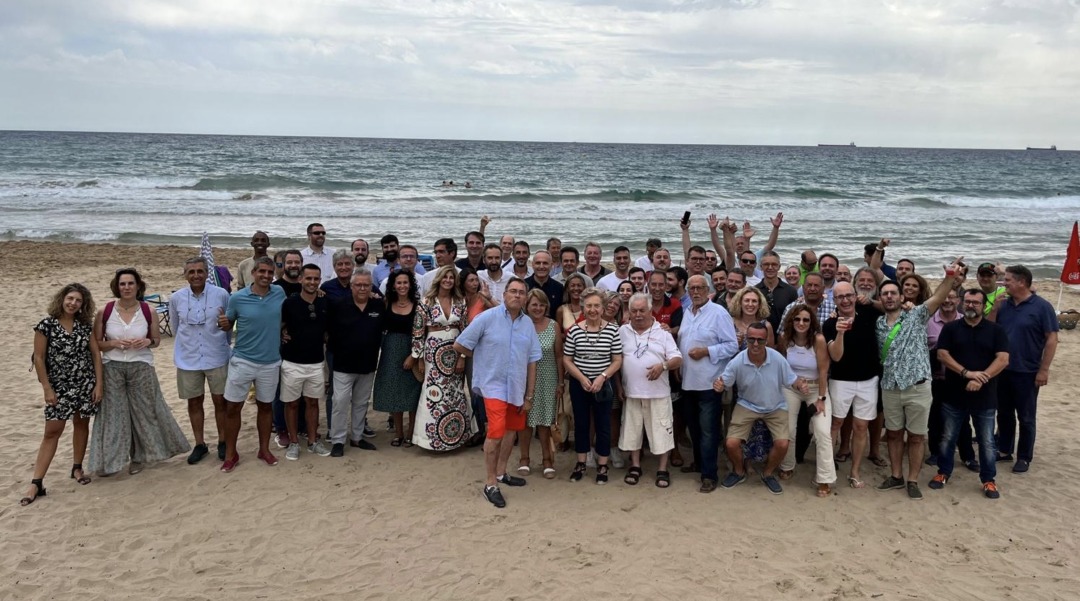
338, 287
316, 251
256, 358
974, 351
593, 269
665, 310
778, 293
303, 328
905, 378
649, 353
1032, 327
539, 279
505, 351
759, 373
474, 252
355, 331
201, 352
706, 341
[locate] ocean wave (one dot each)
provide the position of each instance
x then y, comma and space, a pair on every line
1053, 203
88, 183
818, 193
271, 182
603, 195
57, 235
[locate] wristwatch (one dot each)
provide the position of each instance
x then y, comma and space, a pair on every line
821, 398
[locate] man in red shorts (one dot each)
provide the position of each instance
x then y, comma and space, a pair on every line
505, 351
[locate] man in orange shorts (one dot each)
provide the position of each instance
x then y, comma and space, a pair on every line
505, 351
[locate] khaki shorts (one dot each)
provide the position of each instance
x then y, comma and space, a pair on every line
907, 409
191, 383
302, 379
742, 420
654, 417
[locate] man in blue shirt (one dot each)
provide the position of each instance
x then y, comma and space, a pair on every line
256, 359
1032, 326
760, 373
201, 353
505, 348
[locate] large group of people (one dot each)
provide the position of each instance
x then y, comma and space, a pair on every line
732, 352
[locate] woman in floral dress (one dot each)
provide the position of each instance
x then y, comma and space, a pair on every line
443, 420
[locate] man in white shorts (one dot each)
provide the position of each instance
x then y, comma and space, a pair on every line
854, 371
256, 359
649, 353
303, 325
201, 352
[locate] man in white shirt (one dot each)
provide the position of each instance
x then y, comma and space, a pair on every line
649, 353
445, 254
316, 251
612, 280
494, 276
651, 246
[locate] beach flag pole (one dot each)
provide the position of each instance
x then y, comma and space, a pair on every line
207, 252
1070, 273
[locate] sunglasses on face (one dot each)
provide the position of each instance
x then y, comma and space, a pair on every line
755, 340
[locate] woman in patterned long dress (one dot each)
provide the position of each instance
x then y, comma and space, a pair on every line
134, 425
396, 390
68, 367
549, 383
443, 420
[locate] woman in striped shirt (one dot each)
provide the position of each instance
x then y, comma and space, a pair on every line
592, 354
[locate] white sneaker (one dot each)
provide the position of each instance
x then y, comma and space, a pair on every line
319, 448
617, 460
590, 460
293, 452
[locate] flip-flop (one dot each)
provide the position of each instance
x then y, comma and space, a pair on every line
854, 482
878, 461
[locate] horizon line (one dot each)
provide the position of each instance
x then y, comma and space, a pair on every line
344, 137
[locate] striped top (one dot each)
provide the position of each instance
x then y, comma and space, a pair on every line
592, 352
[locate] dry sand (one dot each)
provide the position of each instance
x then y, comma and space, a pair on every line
404, 524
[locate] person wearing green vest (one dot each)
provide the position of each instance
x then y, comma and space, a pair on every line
987, 276
808, 264
905, 378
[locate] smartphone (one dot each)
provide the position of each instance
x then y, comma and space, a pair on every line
686, 218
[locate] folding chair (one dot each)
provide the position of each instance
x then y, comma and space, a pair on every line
161, 308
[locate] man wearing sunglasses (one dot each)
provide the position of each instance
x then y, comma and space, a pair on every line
316, 251
760, 373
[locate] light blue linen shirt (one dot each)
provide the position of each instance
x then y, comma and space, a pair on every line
760, 387
713, 328
502, 350
200, 343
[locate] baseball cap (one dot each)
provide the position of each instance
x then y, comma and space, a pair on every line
986, 269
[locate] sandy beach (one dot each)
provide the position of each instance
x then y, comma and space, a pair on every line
405, 524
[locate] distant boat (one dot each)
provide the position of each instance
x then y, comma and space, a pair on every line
849, 145
1033, 148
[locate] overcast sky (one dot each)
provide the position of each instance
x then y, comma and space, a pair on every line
954, 73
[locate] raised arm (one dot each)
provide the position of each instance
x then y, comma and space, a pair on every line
773, 235
952, 273
685, 240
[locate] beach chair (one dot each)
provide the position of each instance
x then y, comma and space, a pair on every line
161, 308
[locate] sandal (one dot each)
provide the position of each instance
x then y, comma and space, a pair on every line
407, 443
549, 470
878, 461
601, 474
854, 482
677, 462
824, 490
663, 479
578, 473
786, 474
83, 478
842, 457
396, 442
40, 492
523, 467
633, 476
